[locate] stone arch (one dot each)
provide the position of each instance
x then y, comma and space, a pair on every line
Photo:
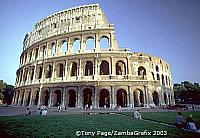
141, 71
53, 48
165, 98
23, 96
163, 80
76, 45
153, 77
72, 98
36, 97
122, 98
157, 68
45, 97
29, 98
90, 43
138, 96
104, 68
89, 68
120, 68
49, 71
44, 51
74, 69
158, 76
104, 42
60, 71
104, 98
56, 98
155, 98
39, 72
64, 46
87, 97
32, 73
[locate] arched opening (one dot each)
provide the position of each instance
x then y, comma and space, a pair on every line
141, 99
90, 43
120, 68
76, 45
158, 76
32, 73
72, 98
49, 71
87, 100
165, 98
40, 72
88, 68
141, 71
64, 47
122, 98
104, 68
166, 80
46, 98
36, 98
153, 75
104, 42
157, 68
169, 98
44, 51
74, 69
155, 98
138, 98
29, 98
22, 99
104, 99
53, 49
163, 80
57, 98
61, 70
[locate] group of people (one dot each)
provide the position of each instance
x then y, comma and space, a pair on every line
188, 124
42, 110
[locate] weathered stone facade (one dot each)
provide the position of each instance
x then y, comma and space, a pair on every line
57, 66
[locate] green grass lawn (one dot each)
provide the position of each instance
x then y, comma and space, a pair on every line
168, 117
67, 125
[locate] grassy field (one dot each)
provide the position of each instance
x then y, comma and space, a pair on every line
67, 125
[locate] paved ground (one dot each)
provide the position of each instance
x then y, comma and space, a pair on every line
6, 110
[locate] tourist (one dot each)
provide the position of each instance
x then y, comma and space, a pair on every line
180, 123
59, 107
137, 114
44, 112
28, 112
190, 123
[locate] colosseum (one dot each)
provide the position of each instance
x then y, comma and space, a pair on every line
72, 58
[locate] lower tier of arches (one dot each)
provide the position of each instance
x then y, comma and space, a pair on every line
93, 96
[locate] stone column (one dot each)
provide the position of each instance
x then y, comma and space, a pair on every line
146, 96
54, 71
63, 96
13, 99
40, 92
24, 97
131, 103
97, 46
34, 75
19, 97
66, 73
111, 66
96, 67
31, 97
113, 105
50, 97
94, 102
79, 69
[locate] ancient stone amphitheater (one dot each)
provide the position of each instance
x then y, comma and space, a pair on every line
72, 58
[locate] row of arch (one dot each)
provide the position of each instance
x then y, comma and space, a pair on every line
64, 47
104, 69
87, 95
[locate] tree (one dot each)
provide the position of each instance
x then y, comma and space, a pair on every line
2, 88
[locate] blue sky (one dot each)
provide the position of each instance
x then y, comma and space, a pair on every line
167, 29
